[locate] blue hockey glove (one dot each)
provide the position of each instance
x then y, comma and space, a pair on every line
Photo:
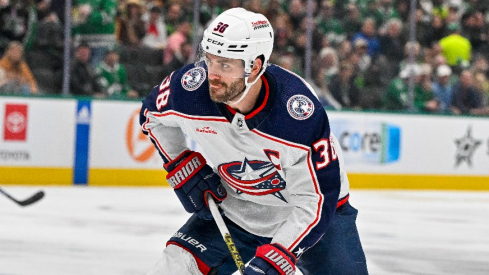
191, 179
271, 259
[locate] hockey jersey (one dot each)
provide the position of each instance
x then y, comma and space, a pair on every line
278, 163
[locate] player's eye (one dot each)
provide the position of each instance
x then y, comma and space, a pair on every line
225, 66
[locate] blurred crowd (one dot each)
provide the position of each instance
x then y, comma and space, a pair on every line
362, 55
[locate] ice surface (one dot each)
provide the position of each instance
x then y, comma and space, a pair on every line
93, 230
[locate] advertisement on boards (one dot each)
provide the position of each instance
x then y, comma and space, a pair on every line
412, 144
36, 132
373, 142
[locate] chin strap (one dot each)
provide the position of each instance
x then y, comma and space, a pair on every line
246, 90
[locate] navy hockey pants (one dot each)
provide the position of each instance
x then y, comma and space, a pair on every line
338, 252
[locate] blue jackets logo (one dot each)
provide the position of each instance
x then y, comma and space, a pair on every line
300, 107
253, 177
368, 142
193, 78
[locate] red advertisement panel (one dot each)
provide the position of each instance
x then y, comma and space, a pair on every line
15, 122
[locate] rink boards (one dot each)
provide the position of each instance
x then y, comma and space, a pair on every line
46, 141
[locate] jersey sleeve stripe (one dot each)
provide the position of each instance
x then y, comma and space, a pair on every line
319, 207
173, 113
153, 138
288, 143
313, 178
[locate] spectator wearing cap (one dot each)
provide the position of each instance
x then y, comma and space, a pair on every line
456, 48
360, 48
465, 97
423, 91
17, 73
443, 88
396, 97
155, 36
369, 33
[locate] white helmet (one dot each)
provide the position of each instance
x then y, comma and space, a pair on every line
240, 34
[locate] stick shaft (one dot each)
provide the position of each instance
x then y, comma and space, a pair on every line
225, 234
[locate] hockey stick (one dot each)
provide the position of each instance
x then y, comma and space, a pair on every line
225, 234
37, 196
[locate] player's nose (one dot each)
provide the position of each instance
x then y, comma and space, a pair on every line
213, 76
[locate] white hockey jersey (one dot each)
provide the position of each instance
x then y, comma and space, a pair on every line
278, 163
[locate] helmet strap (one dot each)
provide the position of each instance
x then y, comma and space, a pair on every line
247, 89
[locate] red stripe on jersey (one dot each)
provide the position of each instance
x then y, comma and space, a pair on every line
170, 113
290, 144
320, 204
263, 104
150, 134
314, 180
205, 269
343, 201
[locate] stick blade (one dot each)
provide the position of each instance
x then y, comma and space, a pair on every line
39, 195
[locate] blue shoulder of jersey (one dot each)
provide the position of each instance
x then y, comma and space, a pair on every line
297, 114
185, 91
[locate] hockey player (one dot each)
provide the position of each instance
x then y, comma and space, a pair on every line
277, 172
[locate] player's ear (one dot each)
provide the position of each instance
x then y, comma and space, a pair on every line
257, 66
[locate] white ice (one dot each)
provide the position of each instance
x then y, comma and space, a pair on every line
92, 230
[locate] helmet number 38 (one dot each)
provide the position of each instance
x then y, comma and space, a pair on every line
221, 27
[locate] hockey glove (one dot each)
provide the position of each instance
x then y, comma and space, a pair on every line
271, 259
191, 179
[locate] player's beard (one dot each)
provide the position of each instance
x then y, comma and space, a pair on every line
226, 93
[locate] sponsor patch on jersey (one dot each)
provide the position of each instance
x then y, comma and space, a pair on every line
300, 107
193, 78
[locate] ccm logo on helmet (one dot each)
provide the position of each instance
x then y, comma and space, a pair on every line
215, 42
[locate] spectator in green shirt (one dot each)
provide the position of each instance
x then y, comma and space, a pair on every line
112, 77
94, 22
397, 95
